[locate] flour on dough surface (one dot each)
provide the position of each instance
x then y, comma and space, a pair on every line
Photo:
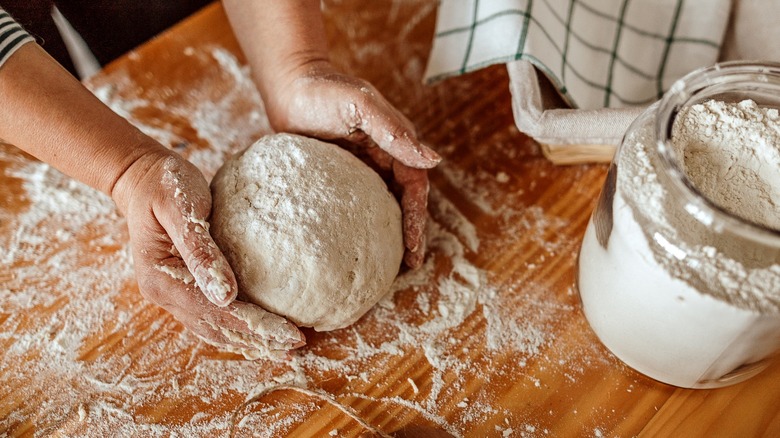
311, 232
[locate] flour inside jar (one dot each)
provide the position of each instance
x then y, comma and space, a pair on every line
671, 291
731, 153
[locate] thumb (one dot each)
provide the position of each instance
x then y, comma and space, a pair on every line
184, 220
205, 261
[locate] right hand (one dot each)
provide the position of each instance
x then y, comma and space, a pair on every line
179, 267
319, 101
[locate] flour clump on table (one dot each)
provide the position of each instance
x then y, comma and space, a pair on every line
311, 232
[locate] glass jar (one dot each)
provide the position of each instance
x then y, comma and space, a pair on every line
679, 284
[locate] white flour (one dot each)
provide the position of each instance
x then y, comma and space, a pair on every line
668, 295
744, 180
106, 370
740, 171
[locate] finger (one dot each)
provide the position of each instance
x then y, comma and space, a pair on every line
169, 284
213, 336
184, 220
252, 331
208, 265
390, 130
237, 342
239, 327
414, 203
276, 332
381, 158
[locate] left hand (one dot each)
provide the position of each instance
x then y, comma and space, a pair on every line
178, 265
321, 102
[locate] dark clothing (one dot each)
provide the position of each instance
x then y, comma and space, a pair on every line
110, 28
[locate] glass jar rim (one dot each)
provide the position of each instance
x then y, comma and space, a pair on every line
679, 95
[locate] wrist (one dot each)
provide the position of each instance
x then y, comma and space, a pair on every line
282, 92
277, 80
147, 161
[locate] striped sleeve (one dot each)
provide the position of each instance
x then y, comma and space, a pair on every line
12, 36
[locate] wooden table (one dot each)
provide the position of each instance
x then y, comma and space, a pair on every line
84, 354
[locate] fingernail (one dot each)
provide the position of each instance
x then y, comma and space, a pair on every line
297, 340
298, 344
430, 154
414, 259
218, 289
291, 338
290, 344
252, 354
218, 294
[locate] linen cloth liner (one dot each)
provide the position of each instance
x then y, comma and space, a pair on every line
608, 58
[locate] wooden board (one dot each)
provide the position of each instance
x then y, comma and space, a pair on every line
488, 340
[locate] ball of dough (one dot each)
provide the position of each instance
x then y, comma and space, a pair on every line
311, 232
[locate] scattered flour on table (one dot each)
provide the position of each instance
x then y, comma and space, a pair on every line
226, 111
83, 283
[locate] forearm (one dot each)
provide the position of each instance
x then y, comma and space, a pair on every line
49, 114
279, 38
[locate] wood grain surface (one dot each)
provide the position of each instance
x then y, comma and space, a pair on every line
522, 362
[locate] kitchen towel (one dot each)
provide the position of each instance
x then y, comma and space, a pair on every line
575, 121
597, 53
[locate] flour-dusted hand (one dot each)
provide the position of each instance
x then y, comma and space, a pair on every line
319, 101
323, 103
285, 44
179, 267
166, 201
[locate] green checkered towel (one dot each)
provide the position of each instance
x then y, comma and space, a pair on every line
598, 53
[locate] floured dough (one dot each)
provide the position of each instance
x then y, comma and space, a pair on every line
311, 232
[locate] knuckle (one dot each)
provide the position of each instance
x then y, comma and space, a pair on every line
364, 100
279, 123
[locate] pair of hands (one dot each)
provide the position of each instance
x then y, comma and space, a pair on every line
166, 201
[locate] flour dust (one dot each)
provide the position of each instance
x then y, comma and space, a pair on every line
89, 360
